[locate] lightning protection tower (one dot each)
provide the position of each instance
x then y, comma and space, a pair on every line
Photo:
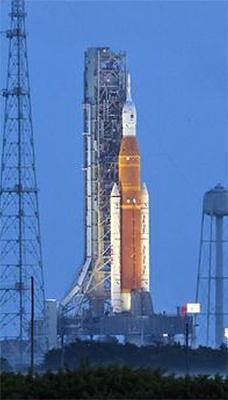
212, 280
20, 244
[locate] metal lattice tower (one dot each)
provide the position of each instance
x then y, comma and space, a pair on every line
212, 280
104, 96
20, 243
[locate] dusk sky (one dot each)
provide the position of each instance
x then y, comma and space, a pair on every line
177, 57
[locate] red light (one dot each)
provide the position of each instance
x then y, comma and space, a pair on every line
183, 311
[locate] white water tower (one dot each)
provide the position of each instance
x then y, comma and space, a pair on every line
212, 279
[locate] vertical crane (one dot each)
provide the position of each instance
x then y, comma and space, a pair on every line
20, 242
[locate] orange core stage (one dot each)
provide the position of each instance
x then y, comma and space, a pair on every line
129, 177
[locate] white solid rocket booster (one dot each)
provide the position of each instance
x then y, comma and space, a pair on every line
115, 250
145, 249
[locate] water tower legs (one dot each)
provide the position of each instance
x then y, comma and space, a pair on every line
219, 283
212, 280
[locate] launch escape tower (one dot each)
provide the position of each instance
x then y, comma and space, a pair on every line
212, 280
104, 96
20, 242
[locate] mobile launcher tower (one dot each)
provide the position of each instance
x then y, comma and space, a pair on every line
110, 292
104, 96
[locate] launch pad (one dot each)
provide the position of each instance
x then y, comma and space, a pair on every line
137, 329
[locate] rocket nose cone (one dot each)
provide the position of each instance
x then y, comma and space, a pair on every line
115, 191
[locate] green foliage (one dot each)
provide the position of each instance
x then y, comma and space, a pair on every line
112, 382
96, 370
171, 358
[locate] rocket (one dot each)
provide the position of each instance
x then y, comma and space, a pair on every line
129, 205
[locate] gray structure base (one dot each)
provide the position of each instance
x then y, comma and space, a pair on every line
137, 329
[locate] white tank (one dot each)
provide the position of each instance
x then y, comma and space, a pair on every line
52, 315
215, 201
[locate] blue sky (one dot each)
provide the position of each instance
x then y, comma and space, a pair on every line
177, 56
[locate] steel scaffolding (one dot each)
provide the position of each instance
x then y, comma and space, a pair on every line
104, 96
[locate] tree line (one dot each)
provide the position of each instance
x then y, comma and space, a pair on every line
111, 382
170, 357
